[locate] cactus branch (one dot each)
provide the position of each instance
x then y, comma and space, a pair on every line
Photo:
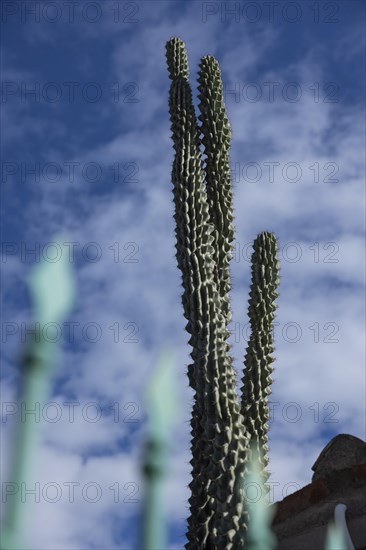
258, 359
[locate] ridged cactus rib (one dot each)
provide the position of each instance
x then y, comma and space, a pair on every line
258, 359
216, 135
217, 499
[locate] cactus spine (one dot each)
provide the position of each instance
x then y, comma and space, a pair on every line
204, 236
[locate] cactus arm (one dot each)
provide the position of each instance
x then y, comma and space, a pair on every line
216, 134
194, 242
258, 359
177, 61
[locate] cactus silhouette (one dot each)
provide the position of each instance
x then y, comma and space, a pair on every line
204, 235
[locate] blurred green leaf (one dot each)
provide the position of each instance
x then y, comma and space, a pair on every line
162, 396
52, 287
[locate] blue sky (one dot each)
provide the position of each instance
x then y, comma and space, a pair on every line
97, 133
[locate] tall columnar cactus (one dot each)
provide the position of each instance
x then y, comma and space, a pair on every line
204, 234
219, 441
258, 359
